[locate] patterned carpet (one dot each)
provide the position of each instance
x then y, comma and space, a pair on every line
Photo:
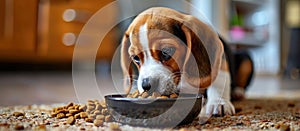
251, 114
257, 114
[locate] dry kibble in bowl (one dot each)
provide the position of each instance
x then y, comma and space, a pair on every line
145, 94
155, 94
174, 95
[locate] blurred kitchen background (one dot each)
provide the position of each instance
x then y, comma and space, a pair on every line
38, 37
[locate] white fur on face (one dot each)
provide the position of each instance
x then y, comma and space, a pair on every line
160, 77
143, 38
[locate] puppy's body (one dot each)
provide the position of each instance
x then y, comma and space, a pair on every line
169, 52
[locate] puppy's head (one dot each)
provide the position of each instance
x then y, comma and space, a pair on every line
163, 47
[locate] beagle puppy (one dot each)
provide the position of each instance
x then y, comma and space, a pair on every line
166, 51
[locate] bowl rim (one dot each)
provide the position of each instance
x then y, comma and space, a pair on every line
122, 97
116, 101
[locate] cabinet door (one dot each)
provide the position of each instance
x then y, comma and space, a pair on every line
61, 22
18, 28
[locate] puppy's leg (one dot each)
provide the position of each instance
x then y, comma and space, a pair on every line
243, 74
218, 95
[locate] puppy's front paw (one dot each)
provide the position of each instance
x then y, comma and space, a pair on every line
219, 107
218, 102
216, 107
238, 93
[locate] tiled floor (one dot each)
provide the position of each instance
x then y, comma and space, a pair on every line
274, 87
35, 88
23, 88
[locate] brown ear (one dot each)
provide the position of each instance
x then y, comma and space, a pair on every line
204, 51
128, 67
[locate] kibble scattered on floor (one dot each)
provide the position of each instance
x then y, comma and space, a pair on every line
250, 114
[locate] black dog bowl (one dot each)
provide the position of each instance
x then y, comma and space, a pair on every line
154, 112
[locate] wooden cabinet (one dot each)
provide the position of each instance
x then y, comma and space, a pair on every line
46, 30
18, 30
61, 22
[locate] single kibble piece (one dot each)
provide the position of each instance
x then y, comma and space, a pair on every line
98, 122
82, 108
144, 95
68, 115
174, 95
91, 107
104, 111
91, 103
74, 111
103, 103
135, 94
62, 111
19, 127
41, 127
4, 125
108, 118
71, 108
53, 114
88, 111
96, 101
59, 108
98, 107
70, 104
83, 114
92, 116
76, 107
97, 112
284, 127
151, 97
60, 115
17, 114
114, 126
77, 116
100, 117
257, 107
163, 97
291, 104
71, 120
156, 94
88, 120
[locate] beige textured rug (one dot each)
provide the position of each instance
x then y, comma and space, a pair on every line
251, 114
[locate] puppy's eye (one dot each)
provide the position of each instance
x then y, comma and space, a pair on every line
166, 53
136, 59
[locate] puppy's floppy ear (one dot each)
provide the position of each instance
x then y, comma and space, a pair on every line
128, 67
204, 51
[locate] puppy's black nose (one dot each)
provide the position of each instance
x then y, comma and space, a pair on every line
146, 84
